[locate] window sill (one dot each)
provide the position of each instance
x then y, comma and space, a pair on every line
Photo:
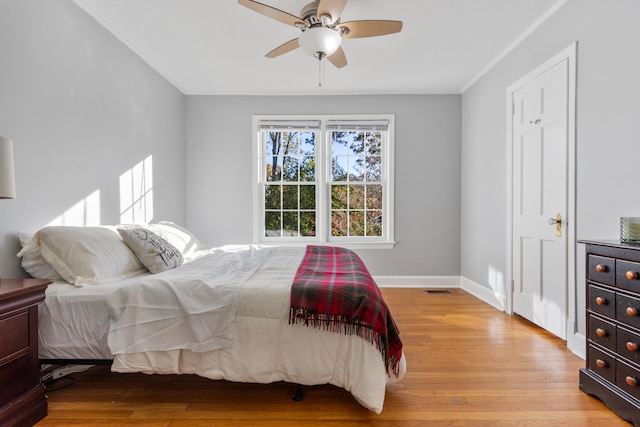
343, 244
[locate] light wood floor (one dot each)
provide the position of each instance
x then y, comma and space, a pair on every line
468, 365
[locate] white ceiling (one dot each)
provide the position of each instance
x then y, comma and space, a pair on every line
218, 46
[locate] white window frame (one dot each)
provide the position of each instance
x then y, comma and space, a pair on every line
323, 174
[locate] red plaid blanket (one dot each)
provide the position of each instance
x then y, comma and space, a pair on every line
333, 290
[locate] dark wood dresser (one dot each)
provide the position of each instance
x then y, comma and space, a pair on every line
22, 395
612, 372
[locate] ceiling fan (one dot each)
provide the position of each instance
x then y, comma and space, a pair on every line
322, 31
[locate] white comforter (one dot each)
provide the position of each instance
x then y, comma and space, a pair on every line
264, 347
192, 307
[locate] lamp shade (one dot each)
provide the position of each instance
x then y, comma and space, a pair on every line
7, 180
320, 39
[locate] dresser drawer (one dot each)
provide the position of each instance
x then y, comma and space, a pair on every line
603, 364
602, 269
628, 344
628, 310
602, 332
628, 378
16, 378
602, 301
628, 275
14, 336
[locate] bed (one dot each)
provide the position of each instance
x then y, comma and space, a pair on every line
153, 299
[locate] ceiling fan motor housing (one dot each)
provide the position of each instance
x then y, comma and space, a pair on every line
309, 14
309, 11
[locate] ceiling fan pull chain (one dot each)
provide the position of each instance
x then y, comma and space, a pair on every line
324, 69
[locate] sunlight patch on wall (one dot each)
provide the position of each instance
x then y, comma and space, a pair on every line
85, 212
136, 193
496, 281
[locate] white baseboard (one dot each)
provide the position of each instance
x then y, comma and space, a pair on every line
577, 344
483, 293
418, 281
475, 289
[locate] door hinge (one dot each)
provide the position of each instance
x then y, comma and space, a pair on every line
513, 108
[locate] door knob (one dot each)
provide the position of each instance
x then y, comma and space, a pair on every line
557, 221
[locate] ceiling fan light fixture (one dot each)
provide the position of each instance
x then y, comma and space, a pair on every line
320, 40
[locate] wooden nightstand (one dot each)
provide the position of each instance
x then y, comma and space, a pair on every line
22, 395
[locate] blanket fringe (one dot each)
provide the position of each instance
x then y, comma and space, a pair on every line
347, 326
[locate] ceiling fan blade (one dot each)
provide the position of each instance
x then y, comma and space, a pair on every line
284, 48
272, 12
338, 58
358, 29
332, 8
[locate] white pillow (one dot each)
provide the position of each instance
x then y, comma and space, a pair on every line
88, 255
32, 261
178, 236
155, 252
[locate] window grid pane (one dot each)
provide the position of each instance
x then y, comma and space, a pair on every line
356, 210
290, 210
356, 205
356, 156
289, 206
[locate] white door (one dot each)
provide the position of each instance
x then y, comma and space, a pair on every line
540, 178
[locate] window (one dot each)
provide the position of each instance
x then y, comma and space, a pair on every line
324, 179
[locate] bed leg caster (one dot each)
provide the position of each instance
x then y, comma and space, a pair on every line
298, 395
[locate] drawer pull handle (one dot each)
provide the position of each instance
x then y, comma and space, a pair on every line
601, 363
631, 275
601, 301
601, 332
601, 268
631, 381
631, 311
631, 346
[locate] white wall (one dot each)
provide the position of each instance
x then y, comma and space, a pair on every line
608, 132
427, 168
82, 109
